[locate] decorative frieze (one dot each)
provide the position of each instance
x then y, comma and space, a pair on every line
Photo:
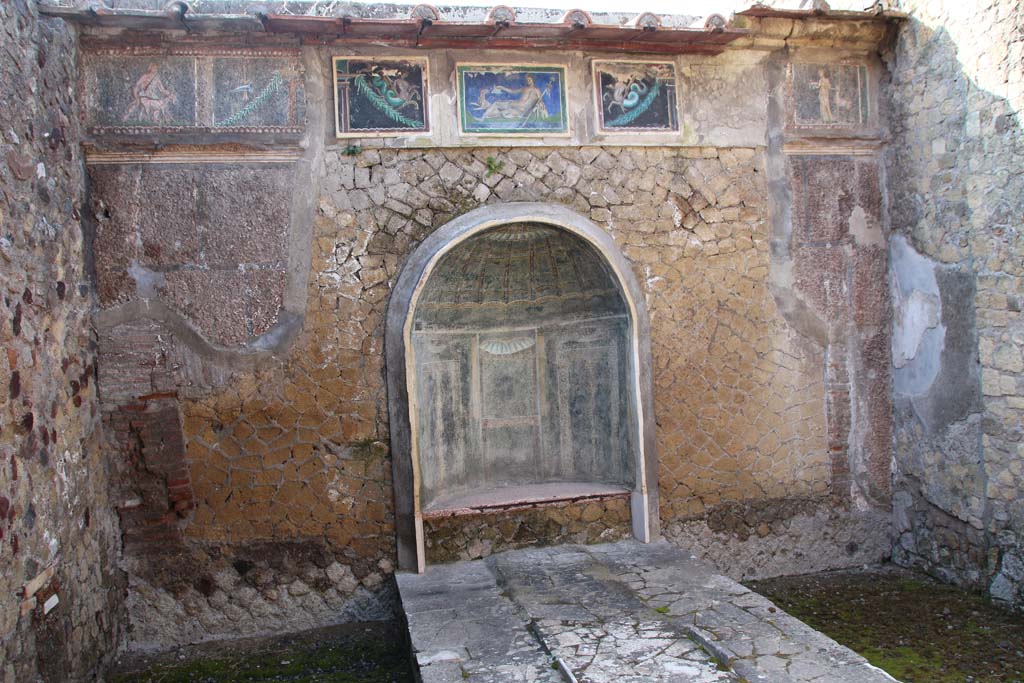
136, 91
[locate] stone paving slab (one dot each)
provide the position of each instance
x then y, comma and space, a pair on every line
462, 627
624, 612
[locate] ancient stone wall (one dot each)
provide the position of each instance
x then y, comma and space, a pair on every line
600, 520
295, 449
61, 592
957, 185
244, 274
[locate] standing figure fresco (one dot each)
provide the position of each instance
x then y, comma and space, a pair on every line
824, 87
512, 100
829, 94
636, 96
380, 96
150, 98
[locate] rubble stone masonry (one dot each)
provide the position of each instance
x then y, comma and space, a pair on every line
241, 297
287, 464
957, 183
194, 426
61, 591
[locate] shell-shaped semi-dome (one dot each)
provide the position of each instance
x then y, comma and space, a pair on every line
525, 272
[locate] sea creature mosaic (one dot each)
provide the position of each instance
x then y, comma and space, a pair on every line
636, 96
253, 92
512, 100
380, 96
145, 91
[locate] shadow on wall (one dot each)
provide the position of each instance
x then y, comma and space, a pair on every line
957, 198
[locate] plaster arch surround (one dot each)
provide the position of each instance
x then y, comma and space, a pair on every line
402, 380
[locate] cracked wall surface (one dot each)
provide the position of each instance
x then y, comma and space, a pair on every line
955, 167
61, 590
296, 448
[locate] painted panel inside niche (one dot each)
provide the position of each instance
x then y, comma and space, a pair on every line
521, 342
829, 94
380, 96
636, 96
512, 100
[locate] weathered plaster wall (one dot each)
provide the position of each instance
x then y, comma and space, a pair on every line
955, 165
61, 593
828, 233
251, 415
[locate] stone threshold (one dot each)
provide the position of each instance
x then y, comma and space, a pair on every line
622, 612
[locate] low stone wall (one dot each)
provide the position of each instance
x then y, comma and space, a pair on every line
249, 589
763, 539
61, 591
451, 539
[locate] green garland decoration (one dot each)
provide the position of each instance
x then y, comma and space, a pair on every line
632, 115
368, 91
275, 84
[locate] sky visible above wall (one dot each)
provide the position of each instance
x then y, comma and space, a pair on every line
687, 7
665, 7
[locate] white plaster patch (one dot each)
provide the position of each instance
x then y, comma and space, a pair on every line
50, 603
146, 281
915, 315
441, 656
863, 233
65, 466
972, 125
918, 334
650, 281
52, 543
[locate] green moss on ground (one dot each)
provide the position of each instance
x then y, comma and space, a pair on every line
371, 654
916, 629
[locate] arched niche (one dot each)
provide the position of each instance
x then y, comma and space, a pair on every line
516, 335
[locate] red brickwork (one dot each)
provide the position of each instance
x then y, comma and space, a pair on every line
149, 439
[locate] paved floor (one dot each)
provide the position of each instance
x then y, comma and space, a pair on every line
623, 612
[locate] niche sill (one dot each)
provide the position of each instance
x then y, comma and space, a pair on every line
513, 497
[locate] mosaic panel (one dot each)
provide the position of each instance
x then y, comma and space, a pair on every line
636, 96
144, 91
170, 90
253, 92
512, 100
380, 96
